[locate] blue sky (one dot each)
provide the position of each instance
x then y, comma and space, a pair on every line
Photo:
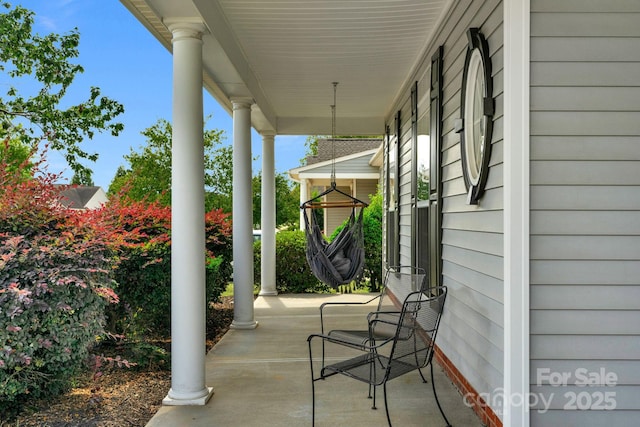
130, 66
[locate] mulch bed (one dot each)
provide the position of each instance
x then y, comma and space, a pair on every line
122, 397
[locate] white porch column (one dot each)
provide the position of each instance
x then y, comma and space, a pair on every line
516, 213
242, 216
268, 218
188, 231
304, 196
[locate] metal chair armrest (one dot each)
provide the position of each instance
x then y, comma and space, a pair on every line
337, 303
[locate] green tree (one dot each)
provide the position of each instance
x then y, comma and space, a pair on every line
288, 205
46, 61
148, 174
83, 177
16, 156
311, 147
219, 182
287, 201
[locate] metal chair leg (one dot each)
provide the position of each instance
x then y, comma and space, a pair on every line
370, 385
374, 398
313, 388
372, 380
386, 405
433, 385
424, 380
313, 403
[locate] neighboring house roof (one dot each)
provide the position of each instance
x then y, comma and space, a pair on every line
356, 173
327, 150
353, 166
378, 157
352, 160
82, 197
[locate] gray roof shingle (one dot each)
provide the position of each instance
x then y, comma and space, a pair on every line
343, 147
77, 197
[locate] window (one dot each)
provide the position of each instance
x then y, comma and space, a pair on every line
423, 158
393, 243
421, 173
392, 165
477, 115
476, 122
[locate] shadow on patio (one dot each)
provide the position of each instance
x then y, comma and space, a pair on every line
261, 378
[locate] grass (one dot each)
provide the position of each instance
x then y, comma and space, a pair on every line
229, 291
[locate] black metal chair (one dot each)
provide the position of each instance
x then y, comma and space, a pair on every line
398, 340
397, 281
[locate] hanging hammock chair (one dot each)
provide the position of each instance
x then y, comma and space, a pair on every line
340, 261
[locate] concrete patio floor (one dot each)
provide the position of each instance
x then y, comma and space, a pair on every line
261, 377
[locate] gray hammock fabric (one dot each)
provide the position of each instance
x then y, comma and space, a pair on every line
340, 261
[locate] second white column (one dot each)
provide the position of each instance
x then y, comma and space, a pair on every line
243, 317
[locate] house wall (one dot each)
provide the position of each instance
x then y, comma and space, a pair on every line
471, 332
366, 188
354, 166
472, 241
98, 199
585, 204
334, 217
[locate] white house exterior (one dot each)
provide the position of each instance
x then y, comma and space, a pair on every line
356, 171
539, 247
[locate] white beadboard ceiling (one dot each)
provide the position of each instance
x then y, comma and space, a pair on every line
285, 54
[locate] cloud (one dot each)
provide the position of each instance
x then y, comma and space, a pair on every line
47, 23
55, 16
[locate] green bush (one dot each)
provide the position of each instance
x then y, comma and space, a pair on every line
293, 274
218, 275
144, 287
219, 245
372, 230
144, 272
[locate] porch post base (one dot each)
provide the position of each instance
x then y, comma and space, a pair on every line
268, 293
198, 401
244, 325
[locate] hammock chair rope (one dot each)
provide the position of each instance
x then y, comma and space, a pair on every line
340, 261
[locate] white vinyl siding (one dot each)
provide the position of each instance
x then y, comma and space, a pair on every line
334, 217
365, 189
471, 332
585, 203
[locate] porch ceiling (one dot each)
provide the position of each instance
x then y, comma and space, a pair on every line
286, 53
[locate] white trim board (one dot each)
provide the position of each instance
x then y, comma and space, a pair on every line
516, 211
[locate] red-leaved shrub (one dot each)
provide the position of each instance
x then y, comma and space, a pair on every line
54, 285
143, 273
61, 268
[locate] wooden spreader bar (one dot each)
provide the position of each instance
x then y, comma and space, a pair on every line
322, 205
